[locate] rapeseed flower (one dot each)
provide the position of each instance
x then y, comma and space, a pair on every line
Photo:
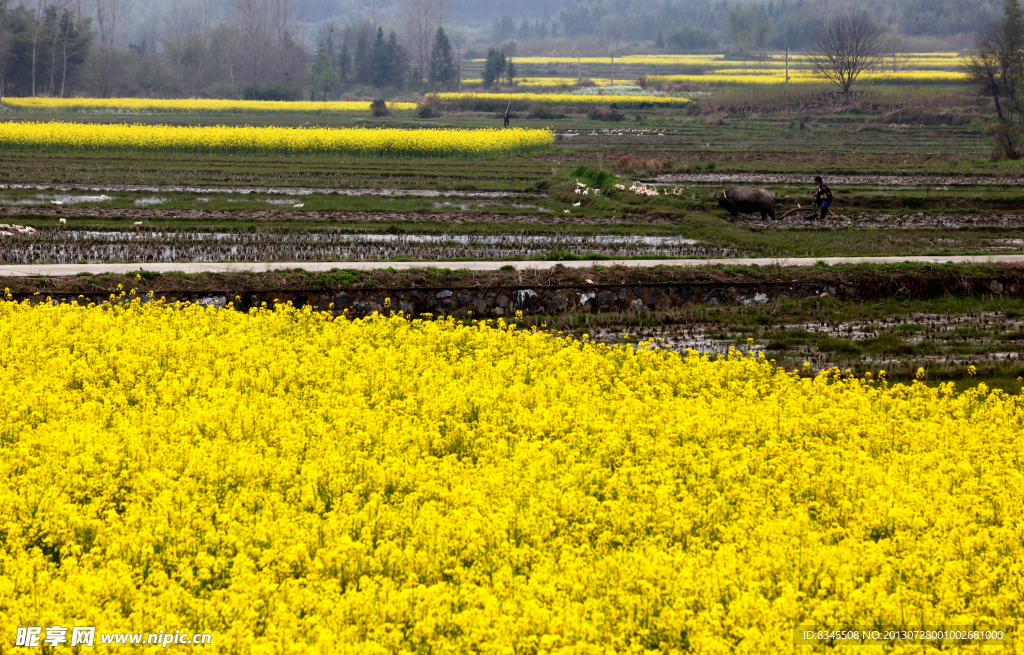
293, 482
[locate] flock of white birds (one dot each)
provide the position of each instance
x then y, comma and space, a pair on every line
10, 230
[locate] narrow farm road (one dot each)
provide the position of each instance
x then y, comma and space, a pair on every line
256, 267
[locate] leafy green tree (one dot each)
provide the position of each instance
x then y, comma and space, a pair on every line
441, 71
325, 75
691, 39
494, 67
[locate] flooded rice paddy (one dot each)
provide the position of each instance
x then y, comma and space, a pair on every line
934, 342
68, 246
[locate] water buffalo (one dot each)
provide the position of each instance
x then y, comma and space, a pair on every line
744, 200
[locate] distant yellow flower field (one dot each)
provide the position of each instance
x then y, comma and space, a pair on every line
914, 60
556, 81
292, 483
257, 140
194, 106
740, 78
567, 99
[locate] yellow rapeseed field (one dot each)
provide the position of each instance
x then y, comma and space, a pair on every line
567, 99
735, 77
193, 106
293, 483
318, 141
911, 61
553, 81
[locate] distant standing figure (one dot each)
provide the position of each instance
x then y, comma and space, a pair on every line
823, 196
506, 118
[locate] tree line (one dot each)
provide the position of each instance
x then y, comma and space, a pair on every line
685, 26
258, 50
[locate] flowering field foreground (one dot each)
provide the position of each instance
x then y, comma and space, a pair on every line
201, 106
259, 140
294, 483
567, 99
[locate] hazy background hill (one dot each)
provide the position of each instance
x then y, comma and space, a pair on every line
944, 22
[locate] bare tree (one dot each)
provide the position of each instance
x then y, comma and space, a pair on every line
112, 17
985, 64
58, 8
38, 13
3, 24
996, 68
374, 10
252, 17
846, 46
289, 60
458, 39
894, 55
421, 18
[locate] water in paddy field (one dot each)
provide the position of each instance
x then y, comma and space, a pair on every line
961, 340
293, 194
51, 198
65, 246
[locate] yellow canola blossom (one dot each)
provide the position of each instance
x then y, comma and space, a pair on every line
911, 59
258, 140
556, 81
193, 106
293, 483
740, 78
567, 99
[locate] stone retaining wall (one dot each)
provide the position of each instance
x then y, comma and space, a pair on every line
498, 302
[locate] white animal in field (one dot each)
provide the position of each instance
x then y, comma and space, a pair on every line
63, 221
299, 205
57, 202
104, 198
137, 224
575, 204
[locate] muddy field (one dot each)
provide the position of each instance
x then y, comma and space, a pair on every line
370, 217
866, 221
61, 245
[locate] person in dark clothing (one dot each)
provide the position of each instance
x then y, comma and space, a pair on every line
823, 196
506, 118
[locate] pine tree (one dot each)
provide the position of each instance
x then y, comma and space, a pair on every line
362, 59
398, 61
660, 41
344, 64
442, 63
380, 73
